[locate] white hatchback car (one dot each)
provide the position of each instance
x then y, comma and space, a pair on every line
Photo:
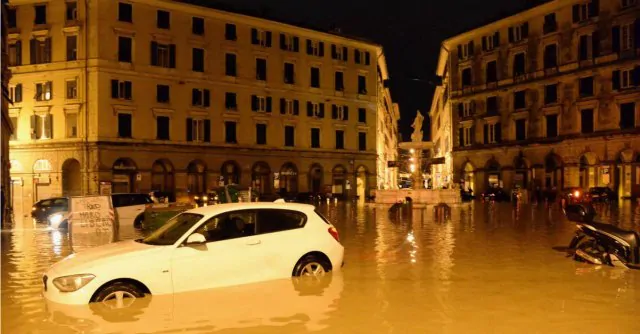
207, 247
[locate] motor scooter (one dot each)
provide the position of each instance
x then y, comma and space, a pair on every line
600, 243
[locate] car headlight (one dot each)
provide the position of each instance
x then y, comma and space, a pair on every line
33, 208
72, 282
196, 197
56, 218
204, 198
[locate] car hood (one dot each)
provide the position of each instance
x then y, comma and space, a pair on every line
100, 255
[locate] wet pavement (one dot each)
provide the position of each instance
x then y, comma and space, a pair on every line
480, 268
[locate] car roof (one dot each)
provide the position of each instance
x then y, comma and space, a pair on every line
225, 207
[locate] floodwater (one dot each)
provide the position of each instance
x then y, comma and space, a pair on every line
481, 268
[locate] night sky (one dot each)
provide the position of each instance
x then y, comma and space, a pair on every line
411, 32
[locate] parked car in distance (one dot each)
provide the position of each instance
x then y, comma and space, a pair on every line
602, 194
129, 209
41, 210
573, 195
202, 248
495, 194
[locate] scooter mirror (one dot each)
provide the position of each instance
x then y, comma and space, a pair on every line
579, 213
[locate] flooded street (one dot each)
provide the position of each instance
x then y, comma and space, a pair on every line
485, 268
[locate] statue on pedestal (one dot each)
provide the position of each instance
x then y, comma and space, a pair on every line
417, 127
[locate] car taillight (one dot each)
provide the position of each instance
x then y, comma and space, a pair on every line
334, 233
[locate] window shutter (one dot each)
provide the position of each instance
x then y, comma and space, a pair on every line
636, 33
459, 51
460, 137
367, 58
206, 98
510, 34
48, 126
268, 103
154, 53
194, 97
254, 103
473, 135
309, 109
321, 49
486, 133
283, 44
334, 111
32, 50
207, 130
34, 121
345, 53
471, 49
345, 112
128, 90
496, 39
254, 36
189, 129
595, 44
582, 48
309, 47
484, 43
114, 89
498, 130
356, 56
18, 93
594, 8
334, 52
576, 13
321, 110
282, 106
615, 79
472, 107
172, 55
296, 44
19, 51
636, 78
296, 107
525, 30
269, 39
47, 50
615, 39
460, 110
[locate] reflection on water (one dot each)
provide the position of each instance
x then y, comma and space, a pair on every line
474, 268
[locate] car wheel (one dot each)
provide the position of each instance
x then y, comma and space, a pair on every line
138, 222
118, 295
311, 266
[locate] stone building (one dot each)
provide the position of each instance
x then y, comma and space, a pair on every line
6, 130
153, 95
545, 98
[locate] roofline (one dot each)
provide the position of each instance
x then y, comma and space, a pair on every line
249, 19
523, 16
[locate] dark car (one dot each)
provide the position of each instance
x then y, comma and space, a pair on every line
602, 194
41, 210
574, 195
495, 194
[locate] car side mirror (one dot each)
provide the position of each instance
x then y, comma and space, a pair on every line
196, 239
579, 213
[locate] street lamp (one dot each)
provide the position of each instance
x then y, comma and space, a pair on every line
412, 167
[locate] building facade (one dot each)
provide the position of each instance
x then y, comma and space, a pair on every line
153, 95
387, 132
6, 130
548, 98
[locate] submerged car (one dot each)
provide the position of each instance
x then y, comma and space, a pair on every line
602, 194
41, 210
207, 247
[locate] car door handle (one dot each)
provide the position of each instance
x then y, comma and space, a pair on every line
253, 243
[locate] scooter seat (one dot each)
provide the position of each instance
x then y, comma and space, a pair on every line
630, 237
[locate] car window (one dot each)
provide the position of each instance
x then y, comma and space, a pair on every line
175, 228
117, 201
276, 220
230, 225
141, 199
46, 202
60, 202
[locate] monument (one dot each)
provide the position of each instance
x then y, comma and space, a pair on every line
418, 195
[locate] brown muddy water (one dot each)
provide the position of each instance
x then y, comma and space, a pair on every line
482, 268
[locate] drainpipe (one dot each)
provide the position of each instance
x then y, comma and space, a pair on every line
85, 150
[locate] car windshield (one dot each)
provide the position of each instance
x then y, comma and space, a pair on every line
172, 230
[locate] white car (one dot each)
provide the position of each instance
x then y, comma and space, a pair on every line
203, 248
